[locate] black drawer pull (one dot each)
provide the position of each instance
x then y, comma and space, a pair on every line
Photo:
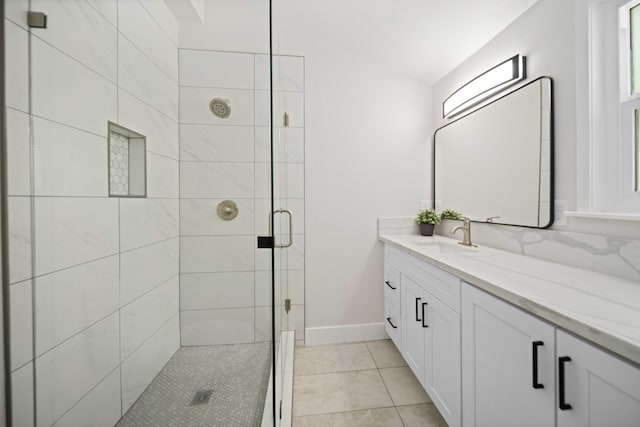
534, 350
392, 325
561, 387
424, 325
389, 285
417, 304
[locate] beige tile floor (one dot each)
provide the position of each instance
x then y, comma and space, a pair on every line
365, 384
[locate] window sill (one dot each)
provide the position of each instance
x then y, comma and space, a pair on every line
604, 215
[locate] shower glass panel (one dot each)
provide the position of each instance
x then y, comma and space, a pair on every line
288, 166
157, 309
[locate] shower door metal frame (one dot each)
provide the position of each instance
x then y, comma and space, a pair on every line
4, 235
275, 406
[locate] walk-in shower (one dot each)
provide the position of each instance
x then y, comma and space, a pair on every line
141, 173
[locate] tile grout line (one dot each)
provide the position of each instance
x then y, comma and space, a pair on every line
85, 395
244, 162
381, 377
253, 201
144, 54
111, 313
93, 197
74, 59
179, 144
96, 10
102, 258
120, 391
344, 412
216, 124
337, 372
32, 223
162, 28
148, 339
133, 95
399, 416
71, 126
262, 91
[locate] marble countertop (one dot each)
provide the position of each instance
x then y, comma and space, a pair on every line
600, 308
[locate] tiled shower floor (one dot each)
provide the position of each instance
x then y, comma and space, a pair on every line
237, 374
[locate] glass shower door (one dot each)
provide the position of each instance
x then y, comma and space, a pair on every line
123, 267
288, 213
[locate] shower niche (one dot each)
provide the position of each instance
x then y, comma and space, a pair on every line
127, 162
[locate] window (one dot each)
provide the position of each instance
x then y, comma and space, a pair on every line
611, 164
629, 51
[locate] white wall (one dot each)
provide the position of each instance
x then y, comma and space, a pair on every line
366, 141
100, 272
367, 133
545, 35
366, 157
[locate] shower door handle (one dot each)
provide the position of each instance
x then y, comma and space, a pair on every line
290, 240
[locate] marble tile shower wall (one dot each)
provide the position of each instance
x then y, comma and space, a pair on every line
225, 292
94, 280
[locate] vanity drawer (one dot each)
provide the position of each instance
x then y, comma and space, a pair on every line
439, 283
392, 323
392, 285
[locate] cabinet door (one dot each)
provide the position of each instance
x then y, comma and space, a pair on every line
600, 389
499, 344
442, 359
412, 326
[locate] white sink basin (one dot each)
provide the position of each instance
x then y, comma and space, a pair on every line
443, 246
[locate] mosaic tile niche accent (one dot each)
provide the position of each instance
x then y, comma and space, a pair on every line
127, 162
119, 164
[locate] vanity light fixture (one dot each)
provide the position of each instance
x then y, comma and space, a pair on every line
485, 85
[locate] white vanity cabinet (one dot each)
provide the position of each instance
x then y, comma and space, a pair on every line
430, 328
520, 370
507, 364
486, 362
595, 388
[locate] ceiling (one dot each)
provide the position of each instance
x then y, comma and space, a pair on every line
423, 38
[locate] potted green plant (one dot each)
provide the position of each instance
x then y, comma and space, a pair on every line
427, 219
450, 214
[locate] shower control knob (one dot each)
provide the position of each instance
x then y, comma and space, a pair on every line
227, 210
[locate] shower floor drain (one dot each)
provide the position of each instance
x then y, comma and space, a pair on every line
202, 397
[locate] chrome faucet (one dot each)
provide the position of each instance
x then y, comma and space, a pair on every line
466, 232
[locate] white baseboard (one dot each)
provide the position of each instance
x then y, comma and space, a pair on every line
344, 333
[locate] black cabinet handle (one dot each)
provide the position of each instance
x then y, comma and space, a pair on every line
391, 323
424, 325
389, 285
417, 304
561, 391
534, 347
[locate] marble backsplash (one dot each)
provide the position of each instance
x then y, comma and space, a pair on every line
602, 254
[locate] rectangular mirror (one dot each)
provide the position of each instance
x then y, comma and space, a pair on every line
495, 164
